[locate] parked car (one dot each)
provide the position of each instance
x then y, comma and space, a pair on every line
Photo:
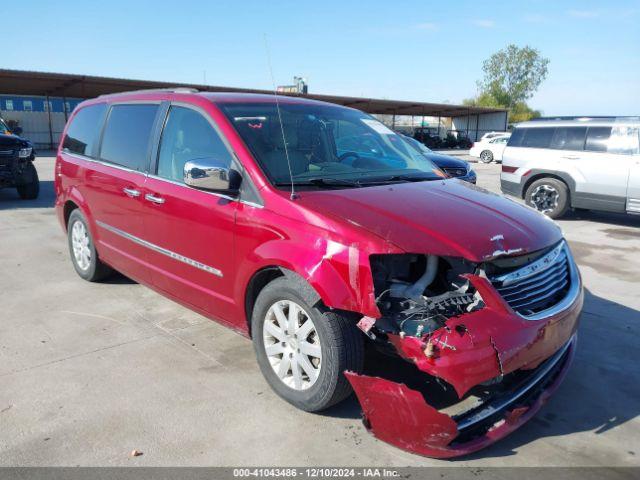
488, 150
452, 166
312, 228
16, 164
490, 135
591, 164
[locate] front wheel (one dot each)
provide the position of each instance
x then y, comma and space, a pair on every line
303, 351
486, 156
29, 186
549, 196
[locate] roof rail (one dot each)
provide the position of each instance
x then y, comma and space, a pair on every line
584, 118
156, 90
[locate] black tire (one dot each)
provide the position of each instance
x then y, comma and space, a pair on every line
29, 186
549, 196
96, 270
486, 156
341, 343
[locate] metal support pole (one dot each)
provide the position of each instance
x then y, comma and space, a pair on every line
64, 109
393, 122
438, 125
468, 120
50, 128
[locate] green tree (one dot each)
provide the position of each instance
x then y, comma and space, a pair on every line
511, 77
513, 74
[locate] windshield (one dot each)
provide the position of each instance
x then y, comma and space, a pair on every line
419, 146
3, 127
327, 146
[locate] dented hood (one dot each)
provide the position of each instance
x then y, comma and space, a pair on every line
442, 217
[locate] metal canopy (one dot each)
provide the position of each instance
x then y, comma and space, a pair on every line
19, 82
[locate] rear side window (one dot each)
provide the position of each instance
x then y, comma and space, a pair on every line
623, 140
84, 129
515, 140
597, 139
569, 138
188, 136
126, 136
538, 137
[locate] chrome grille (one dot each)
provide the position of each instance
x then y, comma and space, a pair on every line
539, 285
6, 153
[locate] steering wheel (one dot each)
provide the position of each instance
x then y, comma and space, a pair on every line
346, 155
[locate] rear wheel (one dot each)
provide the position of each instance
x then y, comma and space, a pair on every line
549, 196
29, 186
301, 350
486, 156
84, 256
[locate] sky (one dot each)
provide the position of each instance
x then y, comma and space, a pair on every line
403, 50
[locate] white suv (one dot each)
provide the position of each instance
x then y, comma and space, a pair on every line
589, 163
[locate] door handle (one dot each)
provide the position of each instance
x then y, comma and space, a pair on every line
153, 198
131, 192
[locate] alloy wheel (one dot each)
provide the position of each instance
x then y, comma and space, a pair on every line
545, 198
80, 243
486, 156
292, 344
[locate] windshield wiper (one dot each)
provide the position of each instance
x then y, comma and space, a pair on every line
323, 182
405, 178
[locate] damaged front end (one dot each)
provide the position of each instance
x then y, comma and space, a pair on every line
482, 346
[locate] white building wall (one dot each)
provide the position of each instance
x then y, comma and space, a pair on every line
35, 126
479, 124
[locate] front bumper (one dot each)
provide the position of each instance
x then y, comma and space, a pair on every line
11, 169
470, 177
399, 416
474, 349
511, 188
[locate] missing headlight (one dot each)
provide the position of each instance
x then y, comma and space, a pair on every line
417, 294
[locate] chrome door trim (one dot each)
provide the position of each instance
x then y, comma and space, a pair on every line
155, 177
152, 198
215, 194
164, 251
131, 192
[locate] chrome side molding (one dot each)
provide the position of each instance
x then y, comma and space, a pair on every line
164, 251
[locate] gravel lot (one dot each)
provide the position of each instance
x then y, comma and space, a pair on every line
89, 372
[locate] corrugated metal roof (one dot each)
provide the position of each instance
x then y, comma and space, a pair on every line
20, 82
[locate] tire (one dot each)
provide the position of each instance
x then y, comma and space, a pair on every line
549, 196
486, 156
87, 265
340, 343
30, 189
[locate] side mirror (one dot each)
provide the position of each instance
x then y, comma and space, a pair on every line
17, 130
211, 174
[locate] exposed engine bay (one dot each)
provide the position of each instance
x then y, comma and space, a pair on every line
417, 294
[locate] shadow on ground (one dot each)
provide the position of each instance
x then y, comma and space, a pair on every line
9, 198
621, 219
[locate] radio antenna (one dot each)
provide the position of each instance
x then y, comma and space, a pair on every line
284, 139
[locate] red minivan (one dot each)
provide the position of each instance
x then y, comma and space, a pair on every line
322, 235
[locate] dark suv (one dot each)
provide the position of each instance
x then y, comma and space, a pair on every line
16, 164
